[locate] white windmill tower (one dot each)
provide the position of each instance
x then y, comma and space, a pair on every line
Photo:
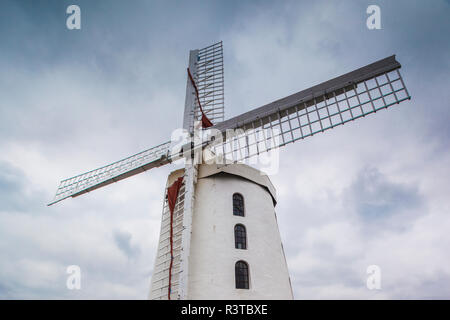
219, 235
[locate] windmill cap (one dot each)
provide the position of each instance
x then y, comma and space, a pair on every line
241, 170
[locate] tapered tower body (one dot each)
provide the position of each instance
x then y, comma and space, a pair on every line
235, 249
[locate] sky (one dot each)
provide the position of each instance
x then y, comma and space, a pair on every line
371, 192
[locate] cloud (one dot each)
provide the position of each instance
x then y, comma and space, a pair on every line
375, 197
123, 242
11, 187
17, 193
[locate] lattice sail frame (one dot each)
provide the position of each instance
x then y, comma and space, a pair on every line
209, 79
85, 182
160, 278
302, 115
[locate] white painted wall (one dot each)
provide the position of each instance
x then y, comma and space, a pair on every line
213, 255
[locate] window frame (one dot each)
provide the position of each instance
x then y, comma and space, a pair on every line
244, 283
241, 235
241, 203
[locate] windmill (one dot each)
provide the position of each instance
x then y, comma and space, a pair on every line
193, 211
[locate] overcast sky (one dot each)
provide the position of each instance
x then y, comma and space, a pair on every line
375, 191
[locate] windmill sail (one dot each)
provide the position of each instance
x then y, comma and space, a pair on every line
335, 102
85, 182
210, 83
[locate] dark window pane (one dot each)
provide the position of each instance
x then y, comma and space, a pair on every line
240, 237
241, 275
238, 205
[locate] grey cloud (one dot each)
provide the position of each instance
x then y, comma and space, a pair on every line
11, 187
375, 197
16, 191
122, 239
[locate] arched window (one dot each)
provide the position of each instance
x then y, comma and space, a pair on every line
241, 275
238, 205
240, 237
